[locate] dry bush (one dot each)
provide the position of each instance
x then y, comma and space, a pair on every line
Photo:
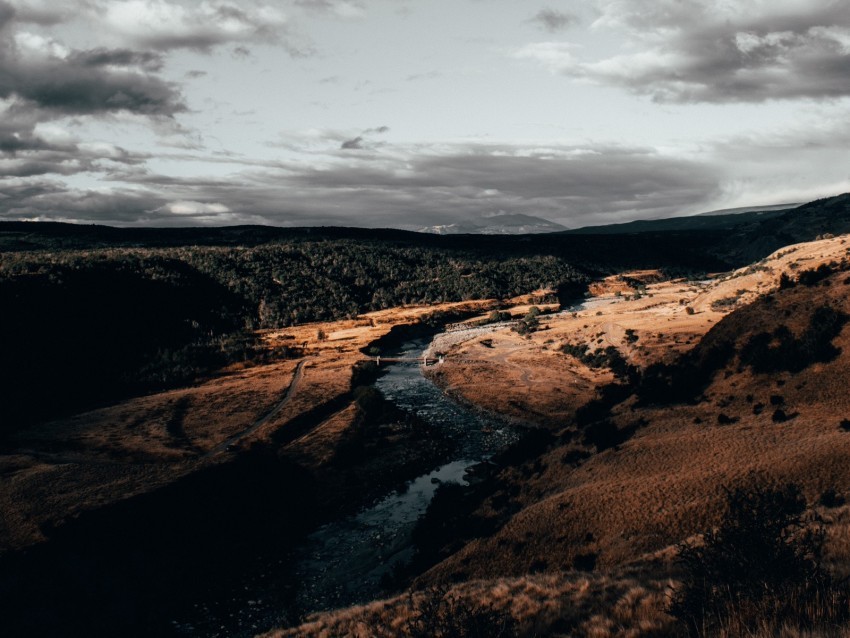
439, 613
555, 604
760, 570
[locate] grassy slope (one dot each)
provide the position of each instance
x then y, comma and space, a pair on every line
628, 506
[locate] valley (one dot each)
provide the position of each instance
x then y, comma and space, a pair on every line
585, 415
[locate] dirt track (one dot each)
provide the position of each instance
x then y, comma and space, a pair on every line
287, 395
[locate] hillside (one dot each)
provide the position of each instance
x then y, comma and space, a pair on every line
804, 223
720, 221
582, 527
748, 236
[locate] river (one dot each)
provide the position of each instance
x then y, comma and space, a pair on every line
344, 562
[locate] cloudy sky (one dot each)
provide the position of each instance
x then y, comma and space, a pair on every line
409, 113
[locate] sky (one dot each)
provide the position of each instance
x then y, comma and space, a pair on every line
413, 113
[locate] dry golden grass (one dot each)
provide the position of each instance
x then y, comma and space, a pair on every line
536, 383
630, 505
528, 378
558, 604
70, 465
666, 482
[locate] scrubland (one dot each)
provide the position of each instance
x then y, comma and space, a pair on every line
746, 391
649, 408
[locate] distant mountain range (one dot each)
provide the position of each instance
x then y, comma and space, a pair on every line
518, 224
508, 224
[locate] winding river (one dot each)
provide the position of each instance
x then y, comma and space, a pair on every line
344, 561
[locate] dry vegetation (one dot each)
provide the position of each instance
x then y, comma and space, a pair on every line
560, 604
617, 493
645, 319
694, 387
56, 470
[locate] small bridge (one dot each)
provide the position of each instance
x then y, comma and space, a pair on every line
427, 361
422, 361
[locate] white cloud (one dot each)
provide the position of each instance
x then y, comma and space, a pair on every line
340, 8
195, 208
161, 24
33, 45
556, 56
708, 51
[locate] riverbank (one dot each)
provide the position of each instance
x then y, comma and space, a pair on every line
192, 553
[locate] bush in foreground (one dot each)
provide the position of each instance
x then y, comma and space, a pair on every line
760, 571
438, 613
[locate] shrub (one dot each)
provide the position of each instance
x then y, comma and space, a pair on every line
761, 566
603, 435
585, 562
495, 316
725, 419
781, 416
529, 323
785, 282
439, 613
831, 498
782, 351
724, 303
608, 357
814, 275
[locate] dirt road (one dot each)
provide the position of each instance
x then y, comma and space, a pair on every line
287, 395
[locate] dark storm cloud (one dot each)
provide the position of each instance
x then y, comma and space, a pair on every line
574, 186
41, 80
72, 87
7, 14
147, 60
352, 144
359, 142
47, 84
14, 141
44, 12
27, 168
699, 51
553, 21
39, 74
23, 153
48, 199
